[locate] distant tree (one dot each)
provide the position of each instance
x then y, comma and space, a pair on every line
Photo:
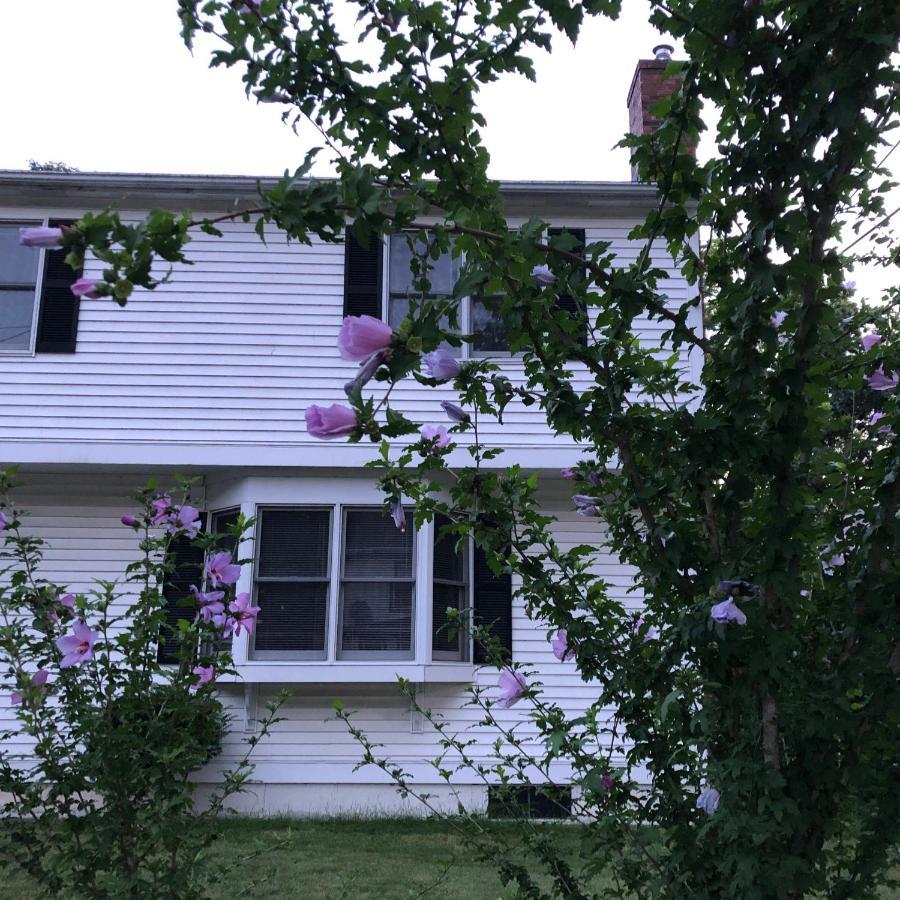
51, 166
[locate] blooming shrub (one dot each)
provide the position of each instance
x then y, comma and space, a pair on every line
751, 712
96, 773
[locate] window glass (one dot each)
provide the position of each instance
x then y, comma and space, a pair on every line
18, 278
377, 589
449, 591
488, 328
443, 272
292, 582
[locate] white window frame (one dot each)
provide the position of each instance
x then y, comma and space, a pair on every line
465, 310
341, 579
29, 222
421, 626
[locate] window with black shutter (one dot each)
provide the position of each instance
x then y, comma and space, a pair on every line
362, 276
566, 302
492, 602
57, 329
450, 590
18, 284
187, 560
293, 577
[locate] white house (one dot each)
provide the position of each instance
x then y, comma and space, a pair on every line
209, 376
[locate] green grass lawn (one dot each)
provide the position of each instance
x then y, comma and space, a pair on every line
344, 860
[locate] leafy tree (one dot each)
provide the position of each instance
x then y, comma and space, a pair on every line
758, 691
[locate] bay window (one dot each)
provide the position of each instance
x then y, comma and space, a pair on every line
343, 583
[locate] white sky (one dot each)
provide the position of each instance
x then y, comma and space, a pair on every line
127, 96
107, 85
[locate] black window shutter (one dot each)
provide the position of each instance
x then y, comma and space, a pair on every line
493, 604
187, 559
566, 302
57, 329
362, 277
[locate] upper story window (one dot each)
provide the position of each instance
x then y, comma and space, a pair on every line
38, 310
343, 583
18, 289
379, 281
476, 315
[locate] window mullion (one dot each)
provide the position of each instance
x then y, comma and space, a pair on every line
336, 571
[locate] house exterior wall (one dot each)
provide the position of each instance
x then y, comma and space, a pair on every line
210, 375
307, 764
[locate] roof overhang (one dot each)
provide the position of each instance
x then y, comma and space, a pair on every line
220, 193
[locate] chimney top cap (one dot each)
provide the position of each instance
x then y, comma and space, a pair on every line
663, 51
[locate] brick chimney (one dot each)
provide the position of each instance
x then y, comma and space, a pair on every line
647, 88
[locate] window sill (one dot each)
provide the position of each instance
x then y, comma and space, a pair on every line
349, 672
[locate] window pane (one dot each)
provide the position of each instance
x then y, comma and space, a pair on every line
398, 309
443, 272
377, 617
16, 314
292, 616
375, 548
294, 543
445, 595
448, 563
488, 327
18, 264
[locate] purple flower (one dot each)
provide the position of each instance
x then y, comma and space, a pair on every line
5, 521
223, 624
398, 515
130, 521
562, 649
437, 434
38, 680
441, 365
727, 611
607, 781
67, 600
835, 562
868, 341
708, 800
777, 319
40, 237
86, 288
586, 506
205, 674
454, 413
221, 570
330, 422
849, 285
365, 374
160, 507
874, 419
595, 478
543, 276
210, 603
878, 381
77, 647
651, 634
361, 336
186, 519
568, 473
512, 686
243, 614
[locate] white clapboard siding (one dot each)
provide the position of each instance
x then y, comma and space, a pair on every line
231, 352
78, 514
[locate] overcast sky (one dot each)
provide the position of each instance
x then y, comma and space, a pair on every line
107, 85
